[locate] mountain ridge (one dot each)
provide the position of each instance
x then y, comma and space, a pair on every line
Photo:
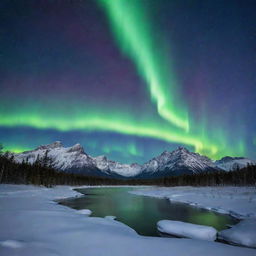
180, 161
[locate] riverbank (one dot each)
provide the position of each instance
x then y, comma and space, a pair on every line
33, 224
239, 202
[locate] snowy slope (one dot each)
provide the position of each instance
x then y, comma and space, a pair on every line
232, 163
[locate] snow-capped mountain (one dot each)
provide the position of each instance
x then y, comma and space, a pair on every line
108, 166
74, 159
229, 163
180, 161
62, 158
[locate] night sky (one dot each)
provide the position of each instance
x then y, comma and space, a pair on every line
129, 79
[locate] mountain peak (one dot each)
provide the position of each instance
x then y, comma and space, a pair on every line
182, 149
76, 148
101, 158
165, 153
232, 163
56, 144
179, 150
230, 158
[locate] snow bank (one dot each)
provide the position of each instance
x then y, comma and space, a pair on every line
183, 229
32, 224
239, 202
244, 233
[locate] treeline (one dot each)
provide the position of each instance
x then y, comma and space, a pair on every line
240, 177
42, 173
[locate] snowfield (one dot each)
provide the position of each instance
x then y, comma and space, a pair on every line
31, 223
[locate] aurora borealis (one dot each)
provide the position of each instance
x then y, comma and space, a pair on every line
129, 79
136, 40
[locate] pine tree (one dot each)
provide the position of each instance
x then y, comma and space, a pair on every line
2, 167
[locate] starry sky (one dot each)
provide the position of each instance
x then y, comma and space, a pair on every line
129, 79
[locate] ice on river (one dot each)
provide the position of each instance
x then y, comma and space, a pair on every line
86, 212
189, 230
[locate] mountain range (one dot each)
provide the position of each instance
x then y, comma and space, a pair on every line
180, 161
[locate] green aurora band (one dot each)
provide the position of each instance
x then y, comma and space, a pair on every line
129, 149
134, 37
113, 121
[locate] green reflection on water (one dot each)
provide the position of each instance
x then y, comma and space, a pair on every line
210, 218
142, 213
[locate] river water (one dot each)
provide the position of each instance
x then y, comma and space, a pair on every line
142, 213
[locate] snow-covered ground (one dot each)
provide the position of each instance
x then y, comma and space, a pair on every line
239, 202
31, 223
244, 233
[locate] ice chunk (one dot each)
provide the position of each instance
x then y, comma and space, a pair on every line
184, 229
11, 244
85, 212
110, 217
244, 233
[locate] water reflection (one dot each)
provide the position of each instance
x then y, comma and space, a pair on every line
142, 213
